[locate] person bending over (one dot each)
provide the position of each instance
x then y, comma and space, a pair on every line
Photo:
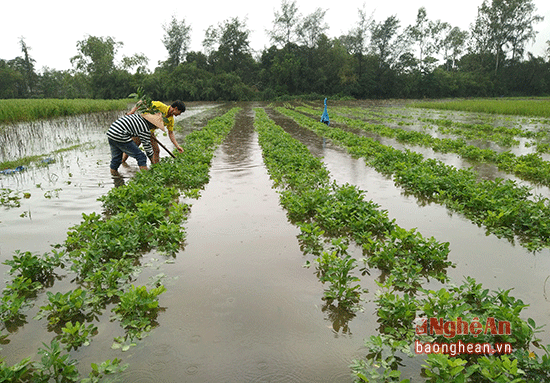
120, 135
175, 109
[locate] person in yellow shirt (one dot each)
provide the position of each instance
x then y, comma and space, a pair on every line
175, 109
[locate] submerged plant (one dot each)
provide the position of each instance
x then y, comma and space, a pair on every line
16, 296
138, 309
337, 271
33, 266
9, 198
73, 305
55, 365
77, 334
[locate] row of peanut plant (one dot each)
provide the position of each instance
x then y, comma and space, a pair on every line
104, 252
530, 167
331, 217
486, 129
502, 135
503, 207
340, 212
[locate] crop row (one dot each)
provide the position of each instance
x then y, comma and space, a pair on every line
485, 130
530, 167
502, 135
318, 206
322, 210
503, 207
402, 318
103, 251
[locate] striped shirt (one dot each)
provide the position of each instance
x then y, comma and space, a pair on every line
133, 125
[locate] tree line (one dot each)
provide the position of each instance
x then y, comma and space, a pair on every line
375, 59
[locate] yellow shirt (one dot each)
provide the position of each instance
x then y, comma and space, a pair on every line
164, 109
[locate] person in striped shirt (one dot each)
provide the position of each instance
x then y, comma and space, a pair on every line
175, 109
120, 136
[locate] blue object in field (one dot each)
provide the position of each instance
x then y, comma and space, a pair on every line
12, 171
324, 117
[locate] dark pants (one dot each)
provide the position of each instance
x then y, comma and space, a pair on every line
130, 148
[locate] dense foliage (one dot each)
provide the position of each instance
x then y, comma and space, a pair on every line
375, 59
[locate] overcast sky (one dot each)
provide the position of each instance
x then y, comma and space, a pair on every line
52, 28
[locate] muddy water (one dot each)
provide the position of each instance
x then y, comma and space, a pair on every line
243, 308
239, 304
496, 263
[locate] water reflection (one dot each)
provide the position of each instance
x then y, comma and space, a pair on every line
339, 317
42, 137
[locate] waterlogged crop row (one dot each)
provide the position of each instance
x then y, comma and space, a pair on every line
103, 251
530, 167
320, 210
503, 207
455, 307
504, 136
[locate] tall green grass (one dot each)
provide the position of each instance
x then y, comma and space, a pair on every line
538, 107
14, 110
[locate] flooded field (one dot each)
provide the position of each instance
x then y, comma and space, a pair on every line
239, 305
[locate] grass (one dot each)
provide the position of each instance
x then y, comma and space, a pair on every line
535, 107
14, 110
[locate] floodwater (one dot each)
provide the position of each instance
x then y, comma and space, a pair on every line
239, 305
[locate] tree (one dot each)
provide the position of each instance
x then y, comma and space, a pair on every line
234, 41
27, 68
211, 39
386, 48
504, 26
228, 47
382, 37
454, 44
428, 36
11, 81
138, 61
356, 41
176, 41
97, 55
284, 30
420, 32
312, 27
97, 60
51, 83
